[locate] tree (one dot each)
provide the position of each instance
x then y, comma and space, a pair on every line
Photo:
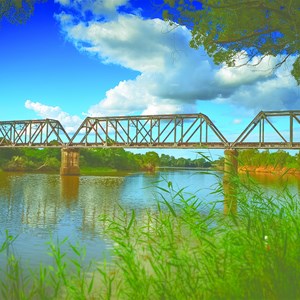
231, 28
17, 11
150, 161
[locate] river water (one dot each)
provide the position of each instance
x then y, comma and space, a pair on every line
40, 207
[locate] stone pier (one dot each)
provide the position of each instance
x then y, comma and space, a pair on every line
229, 184
69, 161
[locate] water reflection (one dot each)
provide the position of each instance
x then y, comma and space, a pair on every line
40, 200
98, 196
274, 183
69, 189
274, 180
37, 205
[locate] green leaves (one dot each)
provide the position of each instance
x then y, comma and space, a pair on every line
17, 11
228, 27
296, 70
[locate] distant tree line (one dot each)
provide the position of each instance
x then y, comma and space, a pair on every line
118, 158
30, 159
256, 158
48, 159
171, 161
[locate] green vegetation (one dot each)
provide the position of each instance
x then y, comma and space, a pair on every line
92, 161
171, 161
228, 30
30, 159
186, 249
110, 161
252, 157
17, 11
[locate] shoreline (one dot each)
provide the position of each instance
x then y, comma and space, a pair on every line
269, 170
90, 171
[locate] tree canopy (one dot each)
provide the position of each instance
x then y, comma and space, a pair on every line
228, 28
17, 11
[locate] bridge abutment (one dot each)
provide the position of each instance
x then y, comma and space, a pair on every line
69, 161
229, 180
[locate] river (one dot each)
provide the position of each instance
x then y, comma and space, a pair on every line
38, 207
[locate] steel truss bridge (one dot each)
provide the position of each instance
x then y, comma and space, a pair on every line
268, 130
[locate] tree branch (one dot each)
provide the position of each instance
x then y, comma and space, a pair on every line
254, 34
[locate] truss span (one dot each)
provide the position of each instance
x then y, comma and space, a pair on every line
271, 130
33, 133
268, 130
160, 131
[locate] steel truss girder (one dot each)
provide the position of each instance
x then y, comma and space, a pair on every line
152, 131
33, 133
262, 120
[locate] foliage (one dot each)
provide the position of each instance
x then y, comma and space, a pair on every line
252, 157
228, 29
150, 161
17, 11
29, 159
185, 249
19, 163
171, 161
48, 159
116, 158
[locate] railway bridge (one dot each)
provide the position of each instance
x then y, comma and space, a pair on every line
268, 130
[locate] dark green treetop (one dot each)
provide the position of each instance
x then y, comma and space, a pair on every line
225, 28
17, 11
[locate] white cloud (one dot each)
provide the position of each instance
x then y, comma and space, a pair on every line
246, 73
70, 123
112, 5
173, 77
237, 121
274, 93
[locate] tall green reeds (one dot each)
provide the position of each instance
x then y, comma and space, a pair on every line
185, 249
188, 250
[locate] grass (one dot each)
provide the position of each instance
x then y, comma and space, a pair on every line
185, 249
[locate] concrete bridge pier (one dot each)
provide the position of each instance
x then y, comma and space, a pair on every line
69, 161
229, 181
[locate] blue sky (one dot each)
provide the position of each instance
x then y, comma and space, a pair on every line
117, 57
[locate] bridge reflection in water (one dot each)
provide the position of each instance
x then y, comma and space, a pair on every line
268, 130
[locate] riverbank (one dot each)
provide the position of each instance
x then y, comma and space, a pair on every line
269, 169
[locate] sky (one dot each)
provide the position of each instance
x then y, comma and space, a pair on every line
74, 59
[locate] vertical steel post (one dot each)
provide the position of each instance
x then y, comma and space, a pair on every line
291, 128
175, 126
201, 130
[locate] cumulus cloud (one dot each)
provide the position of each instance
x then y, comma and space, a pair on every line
274, 93
173, 77
246, 73
70, 123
